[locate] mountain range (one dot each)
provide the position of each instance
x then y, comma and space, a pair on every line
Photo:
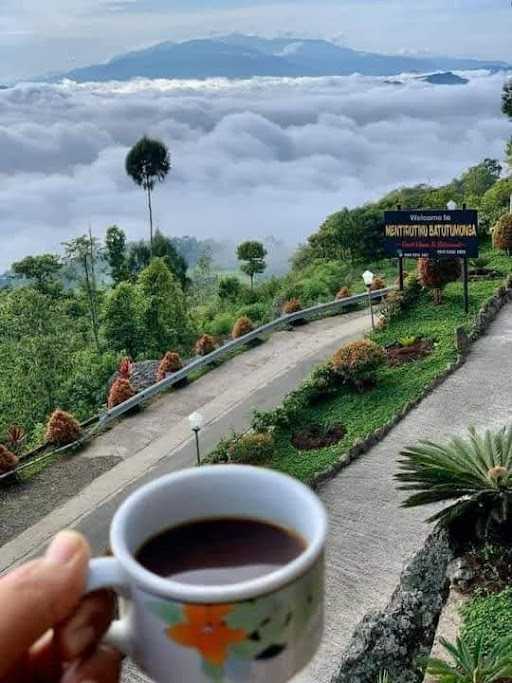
241, 56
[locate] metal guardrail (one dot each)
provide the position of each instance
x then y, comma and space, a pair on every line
204, 361
197, 364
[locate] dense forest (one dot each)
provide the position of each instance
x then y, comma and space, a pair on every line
67, 321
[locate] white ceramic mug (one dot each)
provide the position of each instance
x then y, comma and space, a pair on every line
259, 631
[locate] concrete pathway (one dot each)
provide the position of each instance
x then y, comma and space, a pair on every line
370, 536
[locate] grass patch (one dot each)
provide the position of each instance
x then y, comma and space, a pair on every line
488, 617
362, 414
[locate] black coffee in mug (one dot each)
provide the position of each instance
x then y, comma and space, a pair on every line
222, 551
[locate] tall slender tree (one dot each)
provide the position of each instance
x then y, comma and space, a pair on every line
147, 162
82, 251
252, 255
115, 246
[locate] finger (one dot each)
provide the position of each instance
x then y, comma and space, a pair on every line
103, 666
39, 595
86, 626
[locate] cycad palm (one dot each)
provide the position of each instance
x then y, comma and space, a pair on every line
476, 472
471, 664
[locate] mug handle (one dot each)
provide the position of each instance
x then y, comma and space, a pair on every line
106, 572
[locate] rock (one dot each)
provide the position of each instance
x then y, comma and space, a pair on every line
143, 375
460, 573
394, 639
461, 341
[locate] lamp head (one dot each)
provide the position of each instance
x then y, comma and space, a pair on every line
451, 206
196, 421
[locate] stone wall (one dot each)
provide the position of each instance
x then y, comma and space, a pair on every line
395, 639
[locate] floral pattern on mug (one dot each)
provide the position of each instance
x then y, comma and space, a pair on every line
230, 637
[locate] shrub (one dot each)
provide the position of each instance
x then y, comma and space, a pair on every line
62, 429
343, 293
242, 327
378, 283
292, 306
125, 368
229, 288
488, 618
120, 391
205, 345
15, 438
251, 448
502, 233
171, 362
357, 362
470, 663
475, 473
412, 289
221, 325
436, 275
8, 460
257, 311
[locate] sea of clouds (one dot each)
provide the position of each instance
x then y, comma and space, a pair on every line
250, 158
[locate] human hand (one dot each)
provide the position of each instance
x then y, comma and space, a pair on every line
48, 632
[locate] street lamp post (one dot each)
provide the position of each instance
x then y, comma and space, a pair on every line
368, 277
451, 206
196, 423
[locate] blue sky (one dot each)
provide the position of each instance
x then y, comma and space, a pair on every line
36, 36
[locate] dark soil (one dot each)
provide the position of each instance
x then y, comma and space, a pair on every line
398, 354
23, 505
492, 568
318, 436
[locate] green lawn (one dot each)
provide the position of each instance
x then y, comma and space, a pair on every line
360, 413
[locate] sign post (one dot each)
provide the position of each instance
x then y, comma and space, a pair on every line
435, 233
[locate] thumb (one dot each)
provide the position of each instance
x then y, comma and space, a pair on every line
39, 595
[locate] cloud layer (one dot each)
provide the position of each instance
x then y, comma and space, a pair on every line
249, 158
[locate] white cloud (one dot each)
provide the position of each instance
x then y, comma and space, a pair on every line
250, 157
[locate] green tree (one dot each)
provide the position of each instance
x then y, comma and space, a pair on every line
122, 319
480, 178
115, 245
165, 319
253, 256
495, 202
148, 161
229, 288
508, 155
83, 252
139, 257
43, 270
37, 345
507, 99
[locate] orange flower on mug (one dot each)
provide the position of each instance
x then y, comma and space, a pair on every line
205, 630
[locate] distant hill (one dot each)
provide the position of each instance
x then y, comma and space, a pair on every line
446, 78
240, 56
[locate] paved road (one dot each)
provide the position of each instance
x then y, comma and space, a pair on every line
370, 536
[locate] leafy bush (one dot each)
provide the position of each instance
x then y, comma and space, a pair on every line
378, 283
171, 362
242, 327
125, 367
205, 345
436, 275
15, 438
257, 311
251, 448
221, 325
470, 663
487, 619
502, 233
357, 362
120, 391
62, 429
407, 341
343, 293
8, 460
475, 472
292, 306
229, 288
